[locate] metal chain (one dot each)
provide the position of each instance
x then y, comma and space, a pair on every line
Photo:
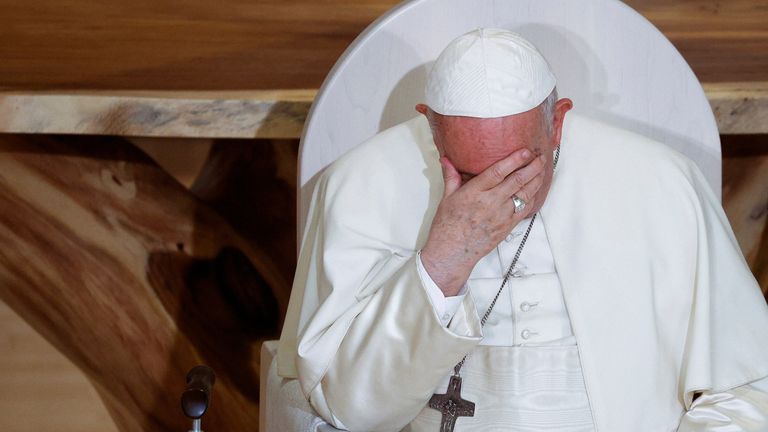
509, 271
508, 274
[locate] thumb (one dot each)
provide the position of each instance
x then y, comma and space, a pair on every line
451, 177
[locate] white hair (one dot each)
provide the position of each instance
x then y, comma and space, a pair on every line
548, 111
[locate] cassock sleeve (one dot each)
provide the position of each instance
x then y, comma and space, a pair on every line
370, 356
445, 307
744, 409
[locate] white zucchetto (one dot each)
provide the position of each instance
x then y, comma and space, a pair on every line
488, 73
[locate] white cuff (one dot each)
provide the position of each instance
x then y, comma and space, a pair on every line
743, 408
445, 307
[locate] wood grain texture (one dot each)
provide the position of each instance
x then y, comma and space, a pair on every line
148, 280
176, 45
723, 41
42, 389
181, 158
254, 114
271, 44
745, 198
740, 108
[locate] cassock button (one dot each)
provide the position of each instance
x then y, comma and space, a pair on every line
525, 334
511, 236
445, 317
525, 306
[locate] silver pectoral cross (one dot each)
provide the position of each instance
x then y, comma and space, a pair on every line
451, 405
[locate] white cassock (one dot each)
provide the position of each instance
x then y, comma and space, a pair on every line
635, 292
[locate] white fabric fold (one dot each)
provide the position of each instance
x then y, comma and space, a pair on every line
399, 317
742, 409
653, 277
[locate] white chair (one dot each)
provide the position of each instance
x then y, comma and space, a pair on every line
613, 63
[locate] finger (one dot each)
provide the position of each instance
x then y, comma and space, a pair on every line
451, 177
528, 192
518, 179
496, 173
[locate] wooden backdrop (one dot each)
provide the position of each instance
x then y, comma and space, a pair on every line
165, 253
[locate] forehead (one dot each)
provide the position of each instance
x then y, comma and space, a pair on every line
473, 144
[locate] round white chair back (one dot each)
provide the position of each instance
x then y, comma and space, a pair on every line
612, 62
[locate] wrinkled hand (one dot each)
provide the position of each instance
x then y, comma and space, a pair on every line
473, 218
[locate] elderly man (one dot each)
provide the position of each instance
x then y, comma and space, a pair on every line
494, 264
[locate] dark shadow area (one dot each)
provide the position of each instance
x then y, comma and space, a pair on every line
223, 306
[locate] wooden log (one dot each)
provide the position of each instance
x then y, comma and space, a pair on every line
133, 279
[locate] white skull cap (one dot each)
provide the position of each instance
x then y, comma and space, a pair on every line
488, 73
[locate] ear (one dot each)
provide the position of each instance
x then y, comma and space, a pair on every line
430, 115
562, 106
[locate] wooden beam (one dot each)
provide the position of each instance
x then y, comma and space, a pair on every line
248, 114
134, 279
740, 108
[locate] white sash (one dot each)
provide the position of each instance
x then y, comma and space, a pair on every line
518, 388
